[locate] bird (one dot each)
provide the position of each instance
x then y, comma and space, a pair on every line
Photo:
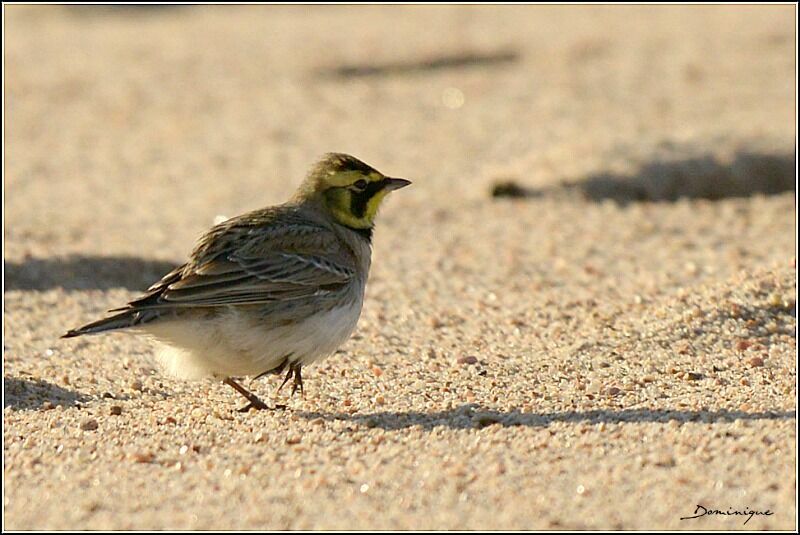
274, 289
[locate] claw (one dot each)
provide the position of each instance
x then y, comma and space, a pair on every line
254, 402
298, 381
288, 376
257, 405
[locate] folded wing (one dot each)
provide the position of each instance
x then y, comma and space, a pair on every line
246, 264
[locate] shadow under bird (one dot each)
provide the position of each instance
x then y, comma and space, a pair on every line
271, 290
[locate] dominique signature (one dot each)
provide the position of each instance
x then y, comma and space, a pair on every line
749, 513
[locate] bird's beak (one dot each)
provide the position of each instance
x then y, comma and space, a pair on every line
395, 183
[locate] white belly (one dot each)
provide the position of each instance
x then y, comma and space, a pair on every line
238, 343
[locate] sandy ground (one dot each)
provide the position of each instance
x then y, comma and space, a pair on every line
609, 348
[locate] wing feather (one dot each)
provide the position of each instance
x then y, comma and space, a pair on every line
239, 263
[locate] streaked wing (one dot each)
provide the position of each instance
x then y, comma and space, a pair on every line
243, 264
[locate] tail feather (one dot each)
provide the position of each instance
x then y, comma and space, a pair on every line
128, 318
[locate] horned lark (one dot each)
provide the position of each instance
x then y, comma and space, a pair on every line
271, 290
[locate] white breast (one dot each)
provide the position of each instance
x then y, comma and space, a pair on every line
240, 343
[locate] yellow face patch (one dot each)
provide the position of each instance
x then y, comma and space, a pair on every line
354, 198
341, 179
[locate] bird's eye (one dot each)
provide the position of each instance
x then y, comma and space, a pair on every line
360, 184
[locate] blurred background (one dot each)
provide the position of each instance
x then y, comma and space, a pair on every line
581, 315
180, 105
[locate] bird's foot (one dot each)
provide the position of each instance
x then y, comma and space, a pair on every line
296, 373
298, 382
254, 402
258, 405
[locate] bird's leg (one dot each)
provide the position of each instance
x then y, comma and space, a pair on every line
288, 376
298, 381
255, 403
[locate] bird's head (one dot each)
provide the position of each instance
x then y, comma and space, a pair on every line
350, 190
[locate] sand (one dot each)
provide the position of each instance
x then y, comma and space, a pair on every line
608, 347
